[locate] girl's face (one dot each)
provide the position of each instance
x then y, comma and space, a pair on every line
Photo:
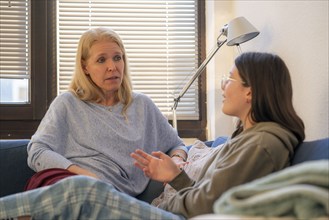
105, 66
236, 97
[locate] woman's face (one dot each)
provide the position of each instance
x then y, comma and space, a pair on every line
236, 97
105, 66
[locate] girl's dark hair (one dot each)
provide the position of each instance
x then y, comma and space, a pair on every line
269, 79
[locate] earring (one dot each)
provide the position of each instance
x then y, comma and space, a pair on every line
80, 91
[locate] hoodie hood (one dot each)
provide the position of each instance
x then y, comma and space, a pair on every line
271, 132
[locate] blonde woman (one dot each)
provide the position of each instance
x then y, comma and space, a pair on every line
92, 128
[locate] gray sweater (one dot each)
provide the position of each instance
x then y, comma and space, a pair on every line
100, 139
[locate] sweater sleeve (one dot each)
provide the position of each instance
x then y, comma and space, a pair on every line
158, 125
47, 144
228, 169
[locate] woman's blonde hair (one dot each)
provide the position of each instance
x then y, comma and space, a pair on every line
82, 85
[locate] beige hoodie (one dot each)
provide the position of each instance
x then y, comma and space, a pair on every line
258, 151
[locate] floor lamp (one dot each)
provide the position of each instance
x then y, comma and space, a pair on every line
237, 31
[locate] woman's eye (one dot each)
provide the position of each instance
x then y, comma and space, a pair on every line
117, 58
101, 60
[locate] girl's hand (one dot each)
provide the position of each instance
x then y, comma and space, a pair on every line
158, 166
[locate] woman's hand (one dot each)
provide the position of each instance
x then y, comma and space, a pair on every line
158, 166
180, 163
80, 171
179, 157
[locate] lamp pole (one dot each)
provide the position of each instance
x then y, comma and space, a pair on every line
198, 73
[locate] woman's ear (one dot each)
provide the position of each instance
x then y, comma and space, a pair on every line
83, 65
248, 95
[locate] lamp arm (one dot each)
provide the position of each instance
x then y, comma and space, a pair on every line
195, 76
237, 31
197, 73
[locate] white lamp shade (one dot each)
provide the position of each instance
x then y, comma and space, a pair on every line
240, 30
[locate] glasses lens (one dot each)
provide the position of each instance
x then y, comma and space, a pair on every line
223, 82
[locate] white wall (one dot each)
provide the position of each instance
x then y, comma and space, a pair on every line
295, 30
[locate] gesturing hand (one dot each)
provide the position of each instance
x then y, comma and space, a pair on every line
157, 166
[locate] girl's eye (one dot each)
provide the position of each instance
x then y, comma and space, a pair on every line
101, 60
117, 58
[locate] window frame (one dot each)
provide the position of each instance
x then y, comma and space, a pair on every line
20, 121
198, 128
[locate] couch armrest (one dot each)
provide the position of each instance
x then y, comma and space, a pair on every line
13, 164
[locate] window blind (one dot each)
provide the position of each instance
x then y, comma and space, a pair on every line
160, 38
14, 51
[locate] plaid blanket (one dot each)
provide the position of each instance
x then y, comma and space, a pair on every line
79, 197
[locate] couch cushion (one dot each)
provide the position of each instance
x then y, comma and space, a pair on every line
219, 140
14, 169
312, 150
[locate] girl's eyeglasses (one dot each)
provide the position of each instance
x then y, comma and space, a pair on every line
226, 79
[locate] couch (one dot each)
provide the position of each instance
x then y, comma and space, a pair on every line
15, 172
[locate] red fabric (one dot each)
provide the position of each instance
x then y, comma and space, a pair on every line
47, 177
